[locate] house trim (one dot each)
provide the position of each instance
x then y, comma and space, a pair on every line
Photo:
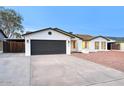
3, 33
101, 37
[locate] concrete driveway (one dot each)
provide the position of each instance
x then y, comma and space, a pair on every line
14, 69
55, 70
69, 70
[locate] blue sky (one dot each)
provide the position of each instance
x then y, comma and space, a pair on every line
106, 21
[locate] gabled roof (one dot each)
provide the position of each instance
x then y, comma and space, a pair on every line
55, 29
3, 33
101, 37
85, 37
70, 33
35, 31
80, 36
89, 37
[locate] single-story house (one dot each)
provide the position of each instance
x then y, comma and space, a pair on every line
118, 43
2, 37
57, 41
93, 44
51, 41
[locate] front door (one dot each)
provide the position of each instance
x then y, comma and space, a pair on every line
73, 45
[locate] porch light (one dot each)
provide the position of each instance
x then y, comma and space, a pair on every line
27, 41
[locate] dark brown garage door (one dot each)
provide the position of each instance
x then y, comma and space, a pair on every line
48, 47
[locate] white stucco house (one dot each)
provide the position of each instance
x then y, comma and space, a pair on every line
98, 43
57, 41
93, 44
50, 41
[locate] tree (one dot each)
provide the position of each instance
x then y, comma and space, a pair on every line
10, 22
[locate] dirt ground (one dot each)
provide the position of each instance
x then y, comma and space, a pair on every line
113, 59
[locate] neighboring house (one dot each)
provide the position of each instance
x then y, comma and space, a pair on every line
2, 36
51, 41
15, 35
118, 43
93, 44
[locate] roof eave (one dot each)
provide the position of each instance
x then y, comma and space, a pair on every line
3, 33
100, 36
60, 31
36, 31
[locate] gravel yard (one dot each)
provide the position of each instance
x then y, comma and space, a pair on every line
113, 59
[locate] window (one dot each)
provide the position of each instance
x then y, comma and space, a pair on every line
74, 44
49, 33
96, 45
85, 44
103, 45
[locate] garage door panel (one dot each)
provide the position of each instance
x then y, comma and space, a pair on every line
48, 47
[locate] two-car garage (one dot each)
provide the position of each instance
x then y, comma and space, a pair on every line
47, 41
48, 47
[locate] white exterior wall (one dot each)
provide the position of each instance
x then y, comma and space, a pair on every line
92, 44
27, 47
1, 42
68, 47
78, 45
43, 35
122, 46
1, 46
1, 36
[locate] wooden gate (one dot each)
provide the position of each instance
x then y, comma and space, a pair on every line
14, 46
113, 46
116, 46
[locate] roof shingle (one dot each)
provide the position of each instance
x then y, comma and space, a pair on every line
85, 37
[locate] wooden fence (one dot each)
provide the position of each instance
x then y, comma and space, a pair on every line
14, 46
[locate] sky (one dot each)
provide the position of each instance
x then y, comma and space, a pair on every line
105, 21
